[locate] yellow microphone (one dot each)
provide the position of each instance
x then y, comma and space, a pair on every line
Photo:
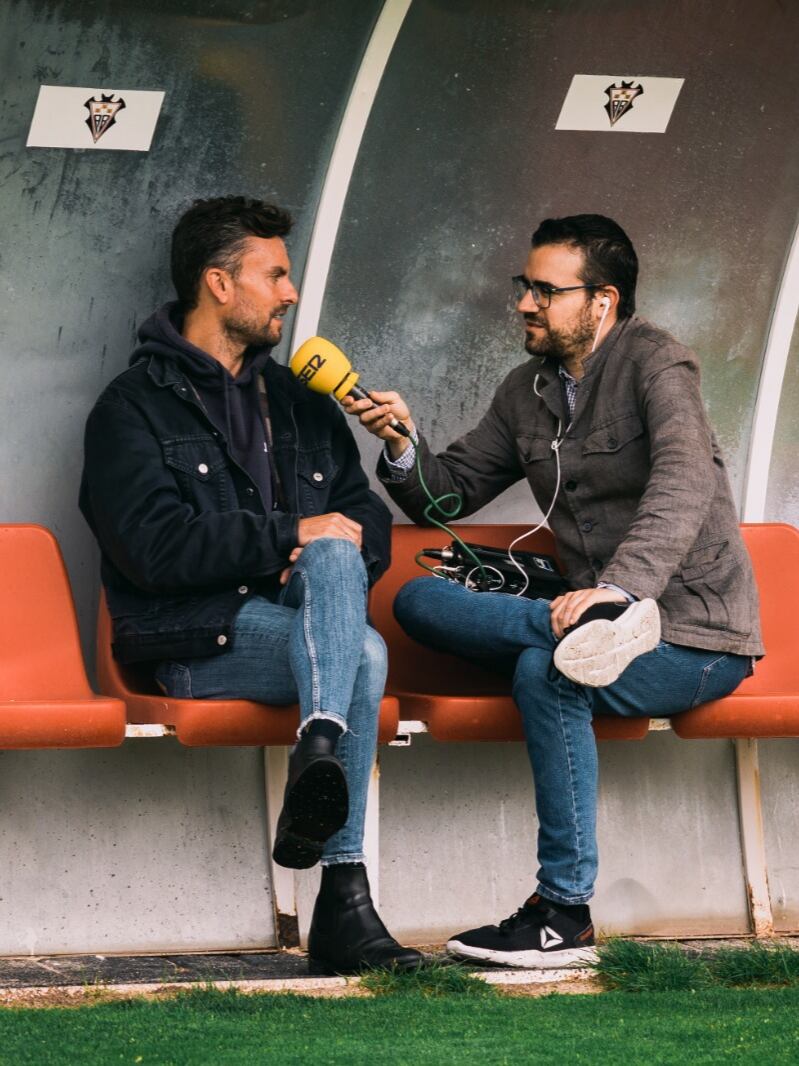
324, 368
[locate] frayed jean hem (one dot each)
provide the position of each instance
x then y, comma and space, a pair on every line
323, 716
338, 860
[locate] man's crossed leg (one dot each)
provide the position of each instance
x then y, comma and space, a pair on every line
553, 927
313, 646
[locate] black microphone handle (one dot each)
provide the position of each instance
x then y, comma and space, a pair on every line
358, 393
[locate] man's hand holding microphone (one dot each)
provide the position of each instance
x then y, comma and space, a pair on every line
377, 413
325, 368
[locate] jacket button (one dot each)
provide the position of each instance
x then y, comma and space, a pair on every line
587, 527
571, 485
221, 639
612, 442
243, 590
250, 491
318, 477
203, 468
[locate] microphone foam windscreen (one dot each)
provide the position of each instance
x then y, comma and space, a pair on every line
323, 367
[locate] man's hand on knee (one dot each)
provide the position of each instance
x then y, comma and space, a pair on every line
328, 525
567, 610
324, 525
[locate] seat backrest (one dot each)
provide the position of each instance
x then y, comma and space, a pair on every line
40, 653
412, 668
774, 548
114, 678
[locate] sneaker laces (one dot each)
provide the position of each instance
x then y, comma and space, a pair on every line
523, 915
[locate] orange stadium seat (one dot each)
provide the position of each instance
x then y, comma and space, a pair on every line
766, 704
45, 698
205, 723
457, 699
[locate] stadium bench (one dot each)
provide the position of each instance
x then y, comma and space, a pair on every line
199, 722
767, 703
457, 700
45, 697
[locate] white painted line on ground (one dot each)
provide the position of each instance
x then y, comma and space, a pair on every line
289, 984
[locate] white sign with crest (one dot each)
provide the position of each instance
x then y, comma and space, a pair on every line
615, 103
69, 116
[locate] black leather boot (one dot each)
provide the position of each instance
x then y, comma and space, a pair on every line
315, 803
346, 933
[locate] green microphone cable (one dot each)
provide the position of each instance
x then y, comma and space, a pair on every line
449, 506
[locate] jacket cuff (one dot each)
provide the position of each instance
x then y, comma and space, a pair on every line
286, 531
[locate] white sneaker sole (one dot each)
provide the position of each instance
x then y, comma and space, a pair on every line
567, 959
598, 652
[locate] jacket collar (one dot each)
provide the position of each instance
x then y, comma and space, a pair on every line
165, 373
550, 387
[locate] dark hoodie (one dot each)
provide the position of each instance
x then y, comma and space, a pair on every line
231, 403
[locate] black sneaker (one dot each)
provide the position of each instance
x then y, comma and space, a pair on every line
539, 936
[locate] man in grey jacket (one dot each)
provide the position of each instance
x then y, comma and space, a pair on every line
606, 423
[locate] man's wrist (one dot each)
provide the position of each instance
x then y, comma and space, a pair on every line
399, 469
397, 446
616, 588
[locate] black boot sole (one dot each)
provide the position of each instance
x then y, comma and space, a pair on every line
317, 806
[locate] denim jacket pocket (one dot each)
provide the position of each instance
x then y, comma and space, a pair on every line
316, 473
201, 470
199, 456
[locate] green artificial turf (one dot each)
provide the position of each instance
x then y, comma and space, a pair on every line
219, 1028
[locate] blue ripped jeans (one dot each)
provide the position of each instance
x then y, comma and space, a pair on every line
312, 645
515, 633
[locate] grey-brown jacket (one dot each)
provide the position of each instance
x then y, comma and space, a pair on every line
644, 499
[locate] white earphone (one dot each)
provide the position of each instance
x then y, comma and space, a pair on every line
605, 302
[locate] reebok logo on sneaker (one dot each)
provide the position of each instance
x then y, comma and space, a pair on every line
549, 938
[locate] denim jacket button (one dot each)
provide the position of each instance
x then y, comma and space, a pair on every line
318, 477
221, 639
203, 468
243, 590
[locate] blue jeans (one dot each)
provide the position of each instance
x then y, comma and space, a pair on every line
312, 645
514, 635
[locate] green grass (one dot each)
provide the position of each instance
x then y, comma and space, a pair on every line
630, 966
756, 965
634, 967
437, 979
209, 1028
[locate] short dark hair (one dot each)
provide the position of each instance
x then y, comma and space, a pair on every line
608, 253
213, 232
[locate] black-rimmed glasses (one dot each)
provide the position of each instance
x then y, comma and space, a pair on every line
542, 293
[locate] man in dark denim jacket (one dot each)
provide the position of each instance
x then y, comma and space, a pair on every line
239, 537
607, 425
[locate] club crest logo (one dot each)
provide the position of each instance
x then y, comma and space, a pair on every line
620, 99
102, 114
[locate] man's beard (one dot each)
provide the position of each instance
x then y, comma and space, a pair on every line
254, 334
563, 343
